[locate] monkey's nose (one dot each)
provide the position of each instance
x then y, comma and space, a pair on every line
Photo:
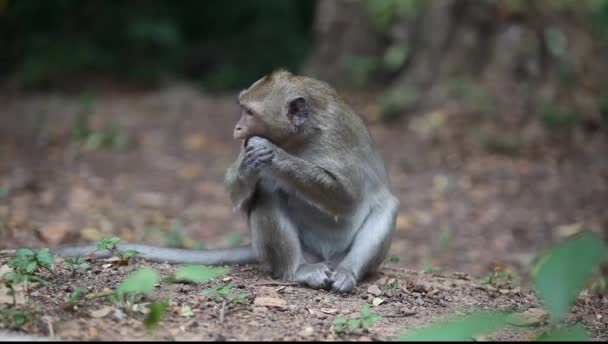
238, 132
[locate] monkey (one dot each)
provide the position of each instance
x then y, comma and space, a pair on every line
310, 183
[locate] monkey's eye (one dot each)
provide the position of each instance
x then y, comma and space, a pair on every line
248, 112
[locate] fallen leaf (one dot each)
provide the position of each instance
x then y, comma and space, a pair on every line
377, 301
6, 297
568, 230
271, 302
316, 313
4, 269
102, 312
331, 311
374, 290
186, 311
267, 292
531, 317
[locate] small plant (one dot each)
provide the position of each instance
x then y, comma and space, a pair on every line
198, 273
75, 296
156, 312
364, 322
429, 268
108, 243
76, 264
558, 278
26, 263
221, 293
393, 287
497, 278
11, 318
392, 259
137, 283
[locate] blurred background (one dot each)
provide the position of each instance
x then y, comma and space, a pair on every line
492, 116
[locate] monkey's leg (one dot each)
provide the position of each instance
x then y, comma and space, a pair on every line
369, 247
277, 245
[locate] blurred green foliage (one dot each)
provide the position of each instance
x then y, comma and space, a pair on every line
224, 44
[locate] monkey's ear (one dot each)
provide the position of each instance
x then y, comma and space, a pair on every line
297, 111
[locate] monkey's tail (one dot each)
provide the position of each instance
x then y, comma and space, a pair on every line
222, 256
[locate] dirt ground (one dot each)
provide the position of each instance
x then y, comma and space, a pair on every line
469, 206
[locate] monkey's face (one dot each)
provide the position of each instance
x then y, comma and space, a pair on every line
250, 124
272, 108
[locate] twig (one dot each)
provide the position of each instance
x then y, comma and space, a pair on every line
222, 311
50, 325
276, 284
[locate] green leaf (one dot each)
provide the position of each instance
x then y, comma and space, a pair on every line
108, 243
24, 252
570, 334
221, 290
31, 266
45, 258
141, 281
199, 273
458, 329
562, 272
241, 297
368, 321
129, 253
157, 311
354, 324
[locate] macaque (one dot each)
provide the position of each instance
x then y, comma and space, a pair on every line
310, 183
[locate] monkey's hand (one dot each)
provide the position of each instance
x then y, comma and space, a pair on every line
258, 154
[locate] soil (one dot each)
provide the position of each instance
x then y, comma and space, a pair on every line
469, 206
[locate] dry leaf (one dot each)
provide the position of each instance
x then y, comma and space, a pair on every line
272, 302
377, 301
374, 290
268, 292
102, 312
316, 313
6, 297
331, 311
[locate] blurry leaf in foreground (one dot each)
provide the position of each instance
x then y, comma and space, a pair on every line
562, 272
199, 273
157, 311
458, 329
141, 281
576, 334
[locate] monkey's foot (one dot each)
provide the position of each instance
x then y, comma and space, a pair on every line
313, 275
342, 281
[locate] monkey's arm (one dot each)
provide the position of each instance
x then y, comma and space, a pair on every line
331, 191
241, 188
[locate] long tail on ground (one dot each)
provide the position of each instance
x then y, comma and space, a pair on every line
222, 256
